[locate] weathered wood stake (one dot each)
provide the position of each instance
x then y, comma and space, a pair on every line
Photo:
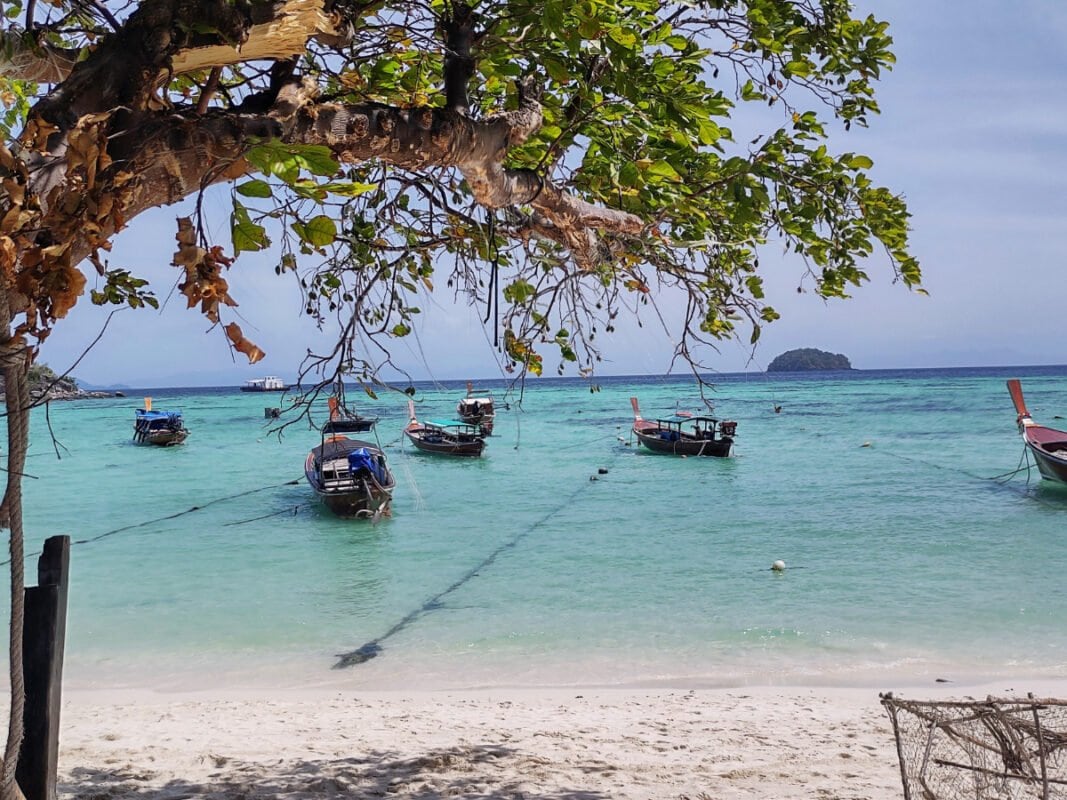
42, 641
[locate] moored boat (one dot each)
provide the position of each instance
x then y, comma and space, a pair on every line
350, 476
477, 408
162, 428
1048, 446
691, 436
271, 383
450, 438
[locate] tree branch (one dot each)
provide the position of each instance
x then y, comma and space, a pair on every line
422, 138
459, 65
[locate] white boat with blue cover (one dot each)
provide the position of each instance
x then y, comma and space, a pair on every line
162, 428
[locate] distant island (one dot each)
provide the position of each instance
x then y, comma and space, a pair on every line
807, 359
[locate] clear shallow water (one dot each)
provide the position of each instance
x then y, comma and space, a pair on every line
905, 562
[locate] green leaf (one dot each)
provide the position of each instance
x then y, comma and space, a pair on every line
555, 69
518, 292
628, 174
286, 160
589, 28
247, 235
255, 188
860, 162
318, 231
708, 132
624, 37
316, 159
663, 170
349, 189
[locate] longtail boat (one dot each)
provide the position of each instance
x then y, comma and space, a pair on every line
690, 436
162, 428
478, 409
450, 438
350, 476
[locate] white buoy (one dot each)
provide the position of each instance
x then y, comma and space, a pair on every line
778, 566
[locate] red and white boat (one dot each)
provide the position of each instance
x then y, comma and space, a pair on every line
1048, 446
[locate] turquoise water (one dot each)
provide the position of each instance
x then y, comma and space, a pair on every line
905, 562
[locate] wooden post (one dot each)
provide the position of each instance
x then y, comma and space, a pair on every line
42, 641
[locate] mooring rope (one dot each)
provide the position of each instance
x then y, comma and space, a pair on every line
288, 510
373, 648
413, 485
1001, 480
597, 440
177, 514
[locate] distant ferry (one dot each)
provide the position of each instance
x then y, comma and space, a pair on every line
271, 383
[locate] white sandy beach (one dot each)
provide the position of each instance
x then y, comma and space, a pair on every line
510, 743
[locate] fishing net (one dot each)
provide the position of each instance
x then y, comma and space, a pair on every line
993, 749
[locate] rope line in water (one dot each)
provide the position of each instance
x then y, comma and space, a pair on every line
413, 486
1001, 480
216, 501
373, 648
291, 510
597, 440
1024, 457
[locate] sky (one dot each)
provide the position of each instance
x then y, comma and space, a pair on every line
972, 132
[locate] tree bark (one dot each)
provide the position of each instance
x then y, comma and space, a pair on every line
13, 359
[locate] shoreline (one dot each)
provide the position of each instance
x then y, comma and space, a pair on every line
749, 742
442, 670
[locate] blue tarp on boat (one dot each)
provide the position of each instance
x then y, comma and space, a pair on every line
362, 458
151, 415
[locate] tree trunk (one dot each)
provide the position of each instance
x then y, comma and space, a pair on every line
13, 360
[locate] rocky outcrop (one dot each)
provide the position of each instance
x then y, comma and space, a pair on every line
808, 359
44, 383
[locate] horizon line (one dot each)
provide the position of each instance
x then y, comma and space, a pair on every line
592, 379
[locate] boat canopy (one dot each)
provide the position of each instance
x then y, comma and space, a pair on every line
348, 425
678, 423
449, 423
153, 415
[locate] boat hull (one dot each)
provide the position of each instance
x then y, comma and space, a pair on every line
1052, 464
356, 504
161, 438
652, 439
260, 390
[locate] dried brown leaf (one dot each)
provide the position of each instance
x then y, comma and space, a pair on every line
243, 345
